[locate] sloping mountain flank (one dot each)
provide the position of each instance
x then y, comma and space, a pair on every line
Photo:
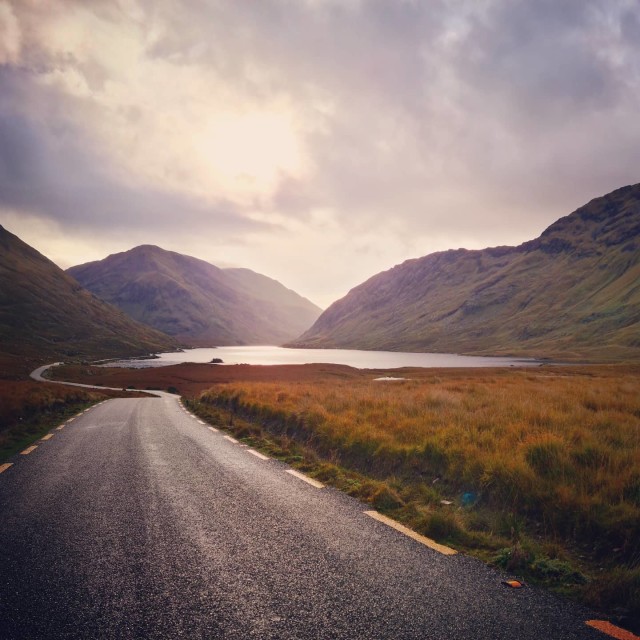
195, 301
574, 292
45, 313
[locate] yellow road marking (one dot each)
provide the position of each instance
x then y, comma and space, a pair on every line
257, 454
230, 439
28, 450
428, 542
307, 479
47, 437
5, 466
60, 427
612, 630
213, 429
200, 422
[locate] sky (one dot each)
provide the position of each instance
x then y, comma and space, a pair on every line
318, 142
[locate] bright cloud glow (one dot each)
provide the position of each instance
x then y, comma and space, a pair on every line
316, 142
246, 153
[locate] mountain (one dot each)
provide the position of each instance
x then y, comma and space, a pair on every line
45, 313
197, 302
574, 292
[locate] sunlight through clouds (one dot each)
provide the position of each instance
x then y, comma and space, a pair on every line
245, 153
213, 128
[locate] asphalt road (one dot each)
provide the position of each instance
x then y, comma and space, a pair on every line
135, 520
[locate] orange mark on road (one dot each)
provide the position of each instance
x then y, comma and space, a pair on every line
28, 450
47, 437
612, 630
514, 584
5, 466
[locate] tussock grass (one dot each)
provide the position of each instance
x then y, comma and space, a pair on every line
542, 467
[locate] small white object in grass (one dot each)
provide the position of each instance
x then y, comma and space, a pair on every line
389, 379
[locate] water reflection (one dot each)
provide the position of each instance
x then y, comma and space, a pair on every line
267, 355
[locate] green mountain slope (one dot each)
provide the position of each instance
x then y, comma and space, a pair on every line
572, 292
195, 301
45, 313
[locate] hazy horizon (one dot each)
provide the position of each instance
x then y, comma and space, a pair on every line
316, 142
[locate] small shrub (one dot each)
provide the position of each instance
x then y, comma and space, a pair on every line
386, 499
443, 525
556, 570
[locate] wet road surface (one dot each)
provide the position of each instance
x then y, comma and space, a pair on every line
135, 520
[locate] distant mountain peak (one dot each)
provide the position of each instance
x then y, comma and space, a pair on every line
196, 301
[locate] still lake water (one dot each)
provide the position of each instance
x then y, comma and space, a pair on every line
359, 359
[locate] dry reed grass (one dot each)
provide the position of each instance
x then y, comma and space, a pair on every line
557, 452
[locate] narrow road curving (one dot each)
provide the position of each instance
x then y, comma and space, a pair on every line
136, 520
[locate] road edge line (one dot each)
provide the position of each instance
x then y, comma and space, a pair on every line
307, 479
427, 542
28, 450
257, 454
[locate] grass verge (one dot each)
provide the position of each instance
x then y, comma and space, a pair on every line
28, 410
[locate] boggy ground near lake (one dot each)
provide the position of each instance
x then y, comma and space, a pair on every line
536, 470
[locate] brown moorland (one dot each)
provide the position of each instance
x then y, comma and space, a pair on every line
534, 469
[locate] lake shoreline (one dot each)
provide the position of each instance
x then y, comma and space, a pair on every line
358, 359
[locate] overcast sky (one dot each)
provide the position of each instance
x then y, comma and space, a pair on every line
315, 141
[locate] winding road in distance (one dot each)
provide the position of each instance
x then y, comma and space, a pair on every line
137, 520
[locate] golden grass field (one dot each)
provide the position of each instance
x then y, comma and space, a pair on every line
541, 466
549, 441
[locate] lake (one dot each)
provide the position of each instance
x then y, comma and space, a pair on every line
267, 355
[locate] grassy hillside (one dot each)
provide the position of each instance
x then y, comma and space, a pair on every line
574, 292
195, 301
46, 314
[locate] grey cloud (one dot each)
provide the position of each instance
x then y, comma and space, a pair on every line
48, 167
497, 113
446, 116
545, 60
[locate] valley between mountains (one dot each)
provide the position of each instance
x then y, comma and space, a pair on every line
535, 471
571, 294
